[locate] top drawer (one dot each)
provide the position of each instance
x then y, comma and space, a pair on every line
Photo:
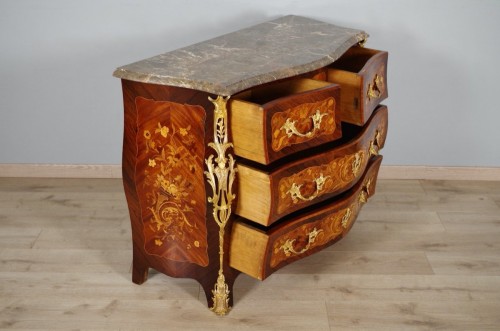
362, 75
278, 119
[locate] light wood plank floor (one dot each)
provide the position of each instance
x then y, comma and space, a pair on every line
423, 255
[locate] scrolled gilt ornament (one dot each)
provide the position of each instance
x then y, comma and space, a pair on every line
290, 129
294, 191
220, 175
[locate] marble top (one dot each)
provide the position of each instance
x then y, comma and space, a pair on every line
225, 65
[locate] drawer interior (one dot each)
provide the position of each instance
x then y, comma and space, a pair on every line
269, 92
355, 59
362, 76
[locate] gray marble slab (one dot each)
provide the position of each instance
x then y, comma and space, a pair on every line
273, 50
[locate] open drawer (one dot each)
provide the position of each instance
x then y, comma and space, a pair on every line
362, 75
259, 253
267, 194
277, 119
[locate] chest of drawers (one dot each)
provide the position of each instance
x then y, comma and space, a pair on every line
250, 151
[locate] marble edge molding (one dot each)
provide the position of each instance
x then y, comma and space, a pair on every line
171, 69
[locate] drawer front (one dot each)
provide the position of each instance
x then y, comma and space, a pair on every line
362, 75
259, 253
302, 123
310, 180
280, 119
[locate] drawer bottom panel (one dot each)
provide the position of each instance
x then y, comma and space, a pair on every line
259, 253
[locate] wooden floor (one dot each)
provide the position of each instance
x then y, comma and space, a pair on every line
423, 255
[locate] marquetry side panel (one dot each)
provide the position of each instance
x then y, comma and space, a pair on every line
166, 142
170, 163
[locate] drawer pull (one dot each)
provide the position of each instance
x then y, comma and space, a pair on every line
288, 249
356, 163
346, 218
294, 191
291, 130
375, 89
365, 192
361, 41
375, 144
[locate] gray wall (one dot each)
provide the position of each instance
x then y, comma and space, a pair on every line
60, 104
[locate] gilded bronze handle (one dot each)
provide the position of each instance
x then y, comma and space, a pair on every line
346, 218
287, 247
356, 163
375, 144
294, 191
376, 88
291, 130
365, 192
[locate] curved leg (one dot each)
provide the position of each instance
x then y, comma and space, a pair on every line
140, 270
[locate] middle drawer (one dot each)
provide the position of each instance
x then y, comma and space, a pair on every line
266, 196
274, 120
260, 252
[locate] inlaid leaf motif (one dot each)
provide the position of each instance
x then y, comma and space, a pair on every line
173, 181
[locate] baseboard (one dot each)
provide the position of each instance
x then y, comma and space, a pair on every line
61, 170
440, 173
114, 171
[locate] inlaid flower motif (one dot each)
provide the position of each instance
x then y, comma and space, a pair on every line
163, 130
184, 131
172, 189
174, 160
169, 163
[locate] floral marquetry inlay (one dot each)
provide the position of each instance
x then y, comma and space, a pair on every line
322, 231
311, 235
313, 182
172, 194
303, 123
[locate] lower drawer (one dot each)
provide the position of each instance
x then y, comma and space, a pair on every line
259, 253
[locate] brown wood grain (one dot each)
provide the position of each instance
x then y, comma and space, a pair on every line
142, 261
184, 242
335, 164
259, 113
170, 165
354, 71
259, 253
